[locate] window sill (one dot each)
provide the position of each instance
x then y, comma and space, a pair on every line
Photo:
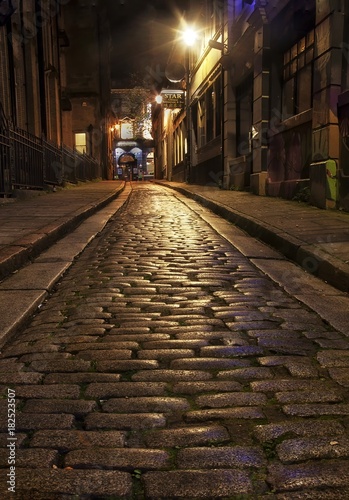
296, 120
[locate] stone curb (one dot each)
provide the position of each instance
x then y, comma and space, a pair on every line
20, 294
27, 248
311, 258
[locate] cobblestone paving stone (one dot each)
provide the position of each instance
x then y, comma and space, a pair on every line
166, 366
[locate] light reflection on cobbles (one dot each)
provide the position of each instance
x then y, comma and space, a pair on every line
164, 351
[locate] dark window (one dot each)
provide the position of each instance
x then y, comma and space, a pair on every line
194, 120
244, 113
207, 114
218, 104
215, 14
210, 106
202, 122
298, 76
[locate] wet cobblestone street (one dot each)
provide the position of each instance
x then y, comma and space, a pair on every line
166, 365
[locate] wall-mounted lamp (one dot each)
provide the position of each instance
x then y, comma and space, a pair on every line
226, 60
254, 133
214, 44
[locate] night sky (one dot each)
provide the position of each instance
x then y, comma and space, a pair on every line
142, 33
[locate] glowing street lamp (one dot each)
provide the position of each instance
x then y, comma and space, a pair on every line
189, 37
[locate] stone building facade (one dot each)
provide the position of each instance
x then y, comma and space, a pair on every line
268, 95
54, 74
29, 69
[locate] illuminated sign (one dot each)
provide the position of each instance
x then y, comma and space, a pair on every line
122, 144
172, 98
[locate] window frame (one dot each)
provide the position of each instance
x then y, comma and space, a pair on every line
80, 147
297, 61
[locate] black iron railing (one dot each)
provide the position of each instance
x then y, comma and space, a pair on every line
69, 164
27, 161
86, 168
52, 157
5, 177
5, 181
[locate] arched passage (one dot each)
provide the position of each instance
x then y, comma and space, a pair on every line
128, 163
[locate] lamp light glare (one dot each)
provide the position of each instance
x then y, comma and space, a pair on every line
158, 99
189, 36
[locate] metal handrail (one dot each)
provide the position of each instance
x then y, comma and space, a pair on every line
30, 162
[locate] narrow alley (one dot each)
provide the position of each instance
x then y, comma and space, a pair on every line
166, 365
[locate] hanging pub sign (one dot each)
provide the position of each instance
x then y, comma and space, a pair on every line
172, 98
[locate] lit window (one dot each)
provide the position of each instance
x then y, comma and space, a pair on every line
127, 130
80, 142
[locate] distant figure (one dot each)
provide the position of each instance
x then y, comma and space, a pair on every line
140, 176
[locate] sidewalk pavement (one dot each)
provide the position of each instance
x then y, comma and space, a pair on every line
28, 230
29, 226
316, 239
